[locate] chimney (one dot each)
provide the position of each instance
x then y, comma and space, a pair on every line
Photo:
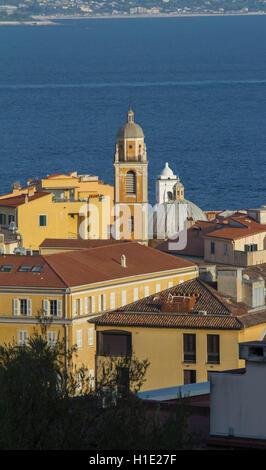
123, 261
179, 303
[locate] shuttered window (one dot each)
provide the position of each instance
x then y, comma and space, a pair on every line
136, 294
22, 337
131, 182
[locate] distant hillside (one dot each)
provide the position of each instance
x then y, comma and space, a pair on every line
11, 10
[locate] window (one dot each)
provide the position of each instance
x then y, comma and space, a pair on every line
131, 182
189, 344
136, 294
102, 302
189, 377
2, 219
77, 307
212, 248
213, 349
90, 337
158, 288
43, 220
51, 338
146, 291
37, 269
124, 297
113, 343
22, 337
89, 305
131, 224
112, 300
6, 268
170, 284
21, 307
52, 307
24, 268
225, 249
79, 339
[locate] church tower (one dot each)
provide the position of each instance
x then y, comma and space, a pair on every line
131, 182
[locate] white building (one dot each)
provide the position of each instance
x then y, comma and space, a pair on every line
237, 400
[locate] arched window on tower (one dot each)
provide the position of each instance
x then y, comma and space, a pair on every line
131, 182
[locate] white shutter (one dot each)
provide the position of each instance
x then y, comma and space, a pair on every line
136, 294
86, 305
75, 307
90, 337
59, 308
170, 284
158, 288
104, 301
81, 306
112, 300
51, 338
45, 307
79, 338
124, 297
146, 291
99, 303
22, 337
28, 306
92, 304
15, 306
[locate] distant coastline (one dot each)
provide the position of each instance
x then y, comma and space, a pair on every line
51, 20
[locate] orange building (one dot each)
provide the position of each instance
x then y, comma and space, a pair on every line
131, 182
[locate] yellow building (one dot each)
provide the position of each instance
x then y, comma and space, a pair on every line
59, 206
72, 286
185, 332
239, 241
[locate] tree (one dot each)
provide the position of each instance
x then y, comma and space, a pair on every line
48, 404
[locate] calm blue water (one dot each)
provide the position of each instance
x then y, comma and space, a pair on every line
197, 86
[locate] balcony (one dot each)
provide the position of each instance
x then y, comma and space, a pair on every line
249, 258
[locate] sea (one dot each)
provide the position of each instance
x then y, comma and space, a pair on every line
197, 86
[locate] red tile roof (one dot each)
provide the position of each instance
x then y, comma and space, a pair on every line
231, 232
16, 201
83, 267
219, 312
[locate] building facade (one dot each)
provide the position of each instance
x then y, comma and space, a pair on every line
185, 332
71, 287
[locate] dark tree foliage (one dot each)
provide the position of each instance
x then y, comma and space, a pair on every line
46, 404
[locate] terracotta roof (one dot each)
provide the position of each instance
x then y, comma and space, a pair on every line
16, 201
104, 263
167, 321
46, 278
220, 313
77, 243
254, 272
228, 231
147, 312
83, 267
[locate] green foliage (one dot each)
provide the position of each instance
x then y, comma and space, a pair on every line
47, 404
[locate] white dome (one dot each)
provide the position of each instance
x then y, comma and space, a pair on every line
167, 173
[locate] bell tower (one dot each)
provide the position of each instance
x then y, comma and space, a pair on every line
131, 182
